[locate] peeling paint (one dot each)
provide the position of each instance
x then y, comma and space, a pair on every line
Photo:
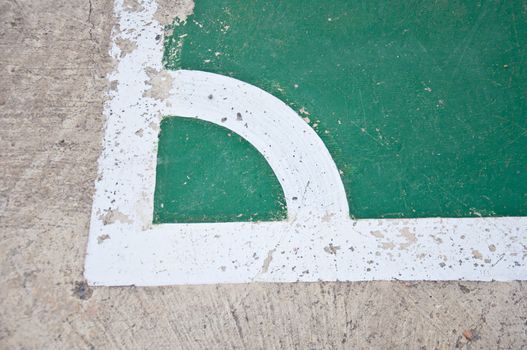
112, 216
388, 245
102, 238
126, 46
160, 83
167, 10
377, 234
132, 5
408, 236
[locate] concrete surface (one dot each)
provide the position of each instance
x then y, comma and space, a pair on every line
53, 60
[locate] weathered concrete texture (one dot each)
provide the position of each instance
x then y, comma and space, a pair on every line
52, 63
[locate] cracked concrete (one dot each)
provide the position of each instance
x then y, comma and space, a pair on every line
54, 60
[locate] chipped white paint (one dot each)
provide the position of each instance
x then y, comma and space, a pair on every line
317, 242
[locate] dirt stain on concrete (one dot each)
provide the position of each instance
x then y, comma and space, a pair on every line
82, 290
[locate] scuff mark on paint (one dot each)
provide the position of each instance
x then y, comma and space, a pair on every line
377, 234
332, 249
327, 217
267, 261
436, 239
387, 245
113, 85
476, 254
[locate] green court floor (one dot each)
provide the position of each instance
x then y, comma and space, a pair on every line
422, 104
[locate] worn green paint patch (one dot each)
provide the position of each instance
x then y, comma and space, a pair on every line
422, 104
206, 173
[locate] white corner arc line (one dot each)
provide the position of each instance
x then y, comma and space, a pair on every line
124, 248
300, 160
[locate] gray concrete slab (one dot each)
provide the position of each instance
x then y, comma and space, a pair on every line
53, 61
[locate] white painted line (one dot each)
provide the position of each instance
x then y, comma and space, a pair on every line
298, 157
317, 242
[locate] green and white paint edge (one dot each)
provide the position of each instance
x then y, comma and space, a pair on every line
318, 242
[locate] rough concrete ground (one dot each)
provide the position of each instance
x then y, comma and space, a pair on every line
53, 60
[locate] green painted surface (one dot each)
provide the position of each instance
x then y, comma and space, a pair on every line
422, 104
206, 173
